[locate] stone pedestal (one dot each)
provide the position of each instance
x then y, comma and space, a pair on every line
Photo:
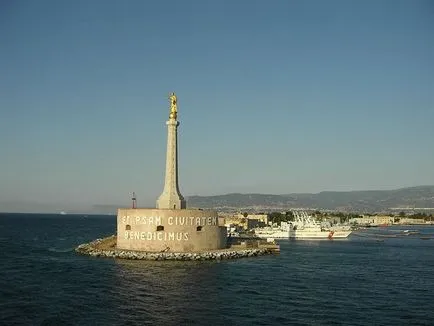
169, 230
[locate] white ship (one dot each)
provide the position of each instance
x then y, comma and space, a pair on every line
303, 227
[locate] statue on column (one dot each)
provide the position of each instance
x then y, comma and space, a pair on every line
173, 106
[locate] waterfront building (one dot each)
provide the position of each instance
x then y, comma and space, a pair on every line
374, 220
409, 220
246, 221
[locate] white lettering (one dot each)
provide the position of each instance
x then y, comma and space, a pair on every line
156, 236
209, 220
197, 220
214, 221
170, 220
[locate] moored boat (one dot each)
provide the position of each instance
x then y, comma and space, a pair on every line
303, 228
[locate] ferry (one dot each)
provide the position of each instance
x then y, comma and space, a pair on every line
304, 227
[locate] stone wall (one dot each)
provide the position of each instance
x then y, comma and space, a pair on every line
169, 230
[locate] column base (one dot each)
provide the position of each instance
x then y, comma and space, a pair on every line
171, 203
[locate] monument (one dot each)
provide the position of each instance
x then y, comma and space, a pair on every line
171, 196
171, 231
170, 227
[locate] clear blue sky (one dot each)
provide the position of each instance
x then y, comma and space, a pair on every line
274, 97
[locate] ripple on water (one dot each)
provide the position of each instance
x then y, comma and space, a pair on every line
60, 250
354, 282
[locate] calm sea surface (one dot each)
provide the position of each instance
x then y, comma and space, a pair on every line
364, 280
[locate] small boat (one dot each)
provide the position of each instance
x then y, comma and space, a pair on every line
409, 232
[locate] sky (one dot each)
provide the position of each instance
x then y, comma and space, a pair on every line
273, 96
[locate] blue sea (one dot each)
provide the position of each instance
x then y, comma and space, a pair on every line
368, 279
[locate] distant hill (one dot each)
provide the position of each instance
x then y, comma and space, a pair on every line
350, 201
360, 201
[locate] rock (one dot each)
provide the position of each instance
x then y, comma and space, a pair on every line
91, 250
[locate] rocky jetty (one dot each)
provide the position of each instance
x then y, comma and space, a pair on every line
96, 249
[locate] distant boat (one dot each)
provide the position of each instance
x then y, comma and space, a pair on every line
410, 232
62, 213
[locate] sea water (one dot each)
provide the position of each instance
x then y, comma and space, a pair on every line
368, 279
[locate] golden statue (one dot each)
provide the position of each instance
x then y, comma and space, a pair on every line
173, 106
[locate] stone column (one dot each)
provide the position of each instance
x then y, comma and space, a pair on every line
171, 197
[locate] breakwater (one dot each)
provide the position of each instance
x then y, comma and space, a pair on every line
107, 248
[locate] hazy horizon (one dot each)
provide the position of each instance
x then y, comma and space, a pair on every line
279, 97
27, 206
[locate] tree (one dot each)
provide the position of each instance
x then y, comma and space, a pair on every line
289, 216
275, 217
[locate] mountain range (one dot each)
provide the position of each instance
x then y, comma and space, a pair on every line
355, 201
369, 201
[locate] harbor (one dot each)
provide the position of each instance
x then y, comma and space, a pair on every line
305, 227
311, 281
